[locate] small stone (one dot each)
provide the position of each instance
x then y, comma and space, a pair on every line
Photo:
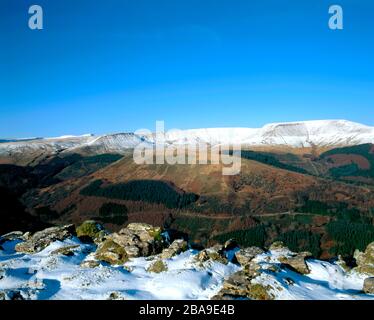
116, 296
288, 281
245, 256
369, 285
340, 262
253, 269
272, 268
177, 247
215, 253
65, 251
260, 292
157, 267
90, 264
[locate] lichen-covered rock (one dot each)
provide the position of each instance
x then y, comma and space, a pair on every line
365, 260
216, 253
157, 267
41, 239
111, 252
90, 231
116, 296
65, 251
340, 262
278, 245
2, 296
240, 286
139, 240
136, 240
260, 292
133, 251
27, 235
297, 262
246, 255
237, 285
125, 237
369, 285
177, 247
145, 231
253, 269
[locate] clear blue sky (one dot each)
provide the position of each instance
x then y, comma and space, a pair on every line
118, 65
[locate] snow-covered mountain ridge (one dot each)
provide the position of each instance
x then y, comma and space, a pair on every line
320, 133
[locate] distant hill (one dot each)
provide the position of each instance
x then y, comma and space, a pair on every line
302, 134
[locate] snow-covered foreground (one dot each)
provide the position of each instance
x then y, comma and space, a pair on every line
326, 281
45, 275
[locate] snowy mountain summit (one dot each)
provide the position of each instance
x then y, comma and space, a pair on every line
141, 262
320, 133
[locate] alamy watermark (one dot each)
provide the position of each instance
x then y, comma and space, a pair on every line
335, 21
36, 18
163, 148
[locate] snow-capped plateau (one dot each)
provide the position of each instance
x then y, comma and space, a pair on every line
320, 133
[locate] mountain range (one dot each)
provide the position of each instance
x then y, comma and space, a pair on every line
303, 134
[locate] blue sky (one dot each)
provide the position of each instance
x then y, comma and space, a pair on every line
118, 65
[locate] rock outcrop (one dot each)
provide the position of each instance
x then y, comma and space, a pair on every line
240, 285
236, 286
136, 240
251, 273
111, 252
246, 255
216, 253
41, 239
177, 247
278, 245
297, 262
365, 260
91, 231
